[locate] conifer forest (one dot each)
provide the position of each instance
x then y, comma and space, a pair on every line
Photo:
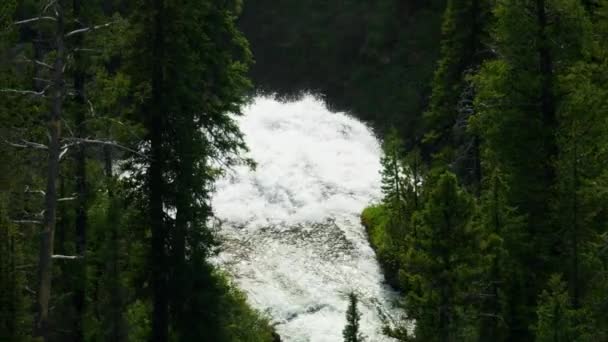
304, 170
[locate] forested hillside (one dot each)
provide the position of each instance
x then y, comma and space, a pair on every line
114, 125
118, 117
502, 235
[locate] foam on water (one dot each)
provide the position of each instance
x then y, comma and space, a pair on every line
291, 236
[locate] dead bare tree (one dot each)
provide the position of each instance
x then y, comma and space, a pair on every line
45, 257
54, 94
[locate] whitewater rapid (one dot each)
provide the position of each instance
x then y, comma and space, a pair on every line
291, 234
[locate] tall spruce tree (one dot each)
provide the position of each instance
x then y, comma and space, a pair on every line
441, 264
501, 281
464, 32
195, 63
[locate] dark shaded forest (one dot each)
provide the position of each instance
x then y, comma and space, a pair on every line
374, 59
116, 121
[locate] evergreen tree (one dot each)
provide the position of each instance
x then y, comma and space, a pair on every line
557, 320
13, 301
195, 81
582, 136
394, 183
517, 107
351, 331
502, 232
441, 264
463, 34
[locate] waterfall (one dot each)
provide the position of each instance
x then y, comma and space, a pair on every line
291, 235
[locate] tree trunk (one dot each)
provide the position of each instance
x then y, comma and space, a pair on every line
48, 233
115, 319
160, 315
492, 306
185, 212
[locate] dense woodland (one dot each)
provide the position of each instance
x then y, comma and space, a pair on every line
497, 230
115, 123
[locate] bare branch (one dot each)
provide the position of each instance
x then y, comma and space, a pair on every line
23, 92
27, 221
27, 144
46, 8
64, 151
26, 92
75, 141
87, 50
25, 266
31, 20
66, 199
66, 257
35, 61
91, 107
30, 191
87, 29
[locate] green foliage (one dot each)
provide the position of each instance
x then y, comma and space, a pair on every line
441, 264
103, 292
351, 331
240, 322
390, 225
502, 237
14, 317
557, 320
394, 179
517, 114
464, 31
377, 222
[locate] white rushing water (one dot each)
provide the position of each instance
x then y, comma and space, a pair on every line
291, 234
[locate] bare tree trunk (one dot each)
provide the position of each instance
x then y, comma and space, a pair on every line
48, 233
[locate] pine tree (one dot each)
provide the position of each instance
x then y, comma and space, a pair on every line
195, 72
351, 331
441, 264
463, 34
558, 321
502, 232
517, 120
394, 183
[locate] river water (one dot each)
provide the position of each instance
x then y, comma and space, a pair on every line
291, 234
